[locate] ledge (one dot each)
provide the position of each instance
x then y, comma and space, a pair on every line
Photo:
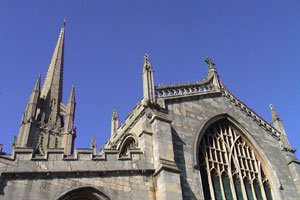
167, 165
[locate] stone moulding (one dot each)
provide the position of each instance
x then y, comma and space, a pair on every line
167, 165
83, 173
250, 113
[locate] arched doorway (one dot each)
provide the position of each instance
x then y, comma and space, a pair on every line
83, 193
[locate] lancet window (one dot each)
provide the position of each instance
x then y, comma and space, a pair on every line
229, 166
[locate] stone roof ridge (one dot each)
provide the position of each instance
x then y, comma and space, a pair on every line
250, 113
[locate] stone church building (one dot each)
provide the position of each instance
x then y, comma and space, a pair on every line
184, 141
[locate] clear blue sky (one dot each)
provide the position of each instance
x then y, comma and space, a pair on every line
255, 45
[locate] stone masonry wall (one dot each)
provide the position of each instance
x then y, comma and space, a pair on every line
189, 114
125, 187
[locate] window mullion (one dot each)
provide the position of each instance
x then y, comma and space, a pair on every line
211, 188
253, 189
238, 165
228, 164
260, 179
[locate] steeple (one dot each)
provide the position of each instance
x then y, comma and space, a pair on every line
277, 123
69, 131
47, 122
114, 123
29, 115
148, 83
52, 87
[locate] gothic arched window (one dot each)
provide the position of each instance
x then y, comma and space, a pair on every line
229, 166
128, 144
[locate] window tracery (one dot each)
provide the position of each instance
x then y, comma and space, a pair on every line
229, 167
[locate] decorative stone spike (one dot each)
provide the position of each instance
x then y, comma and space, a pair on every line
93, 144
148, 83
114, 123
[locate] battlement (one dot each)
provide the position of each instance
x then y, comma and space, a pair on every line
80, 154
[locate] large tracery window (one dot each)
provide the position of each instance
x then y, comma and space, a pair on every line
229, 167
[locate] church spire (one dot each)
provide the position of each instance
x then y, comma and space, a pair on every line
148, 83
52, 87
114, 123
29, 115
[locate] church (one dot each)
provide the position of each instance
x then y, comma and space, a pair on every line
180, 141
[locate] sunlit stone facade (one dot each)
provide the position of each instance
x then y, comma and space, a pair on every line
181, 141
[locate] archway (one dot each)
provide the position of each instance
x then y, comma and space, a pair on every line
83, 193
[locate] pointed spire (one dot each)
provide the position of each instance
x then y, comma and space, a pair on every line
53, 83
148, 83
114, 123
29, 115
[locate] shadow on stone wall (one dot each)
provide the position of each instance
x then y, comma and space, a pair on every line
2, 185
187, 192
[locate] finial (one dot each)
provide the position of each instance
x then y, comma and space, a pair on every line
64, 22
274, 115
146, 58
147, 64
115, 114
93, 142
209, 62
14, 143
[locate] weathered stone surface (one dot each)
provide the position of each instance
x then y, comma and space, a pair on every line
153, 154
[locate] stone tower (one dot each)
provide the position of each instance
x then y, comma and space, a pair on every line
188, 141
46, 121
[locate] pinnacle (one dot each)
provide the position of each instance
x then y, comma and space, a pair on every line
37, 83
64, 23
93, 142
115, 114
147, 64
274, 115
72, 94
